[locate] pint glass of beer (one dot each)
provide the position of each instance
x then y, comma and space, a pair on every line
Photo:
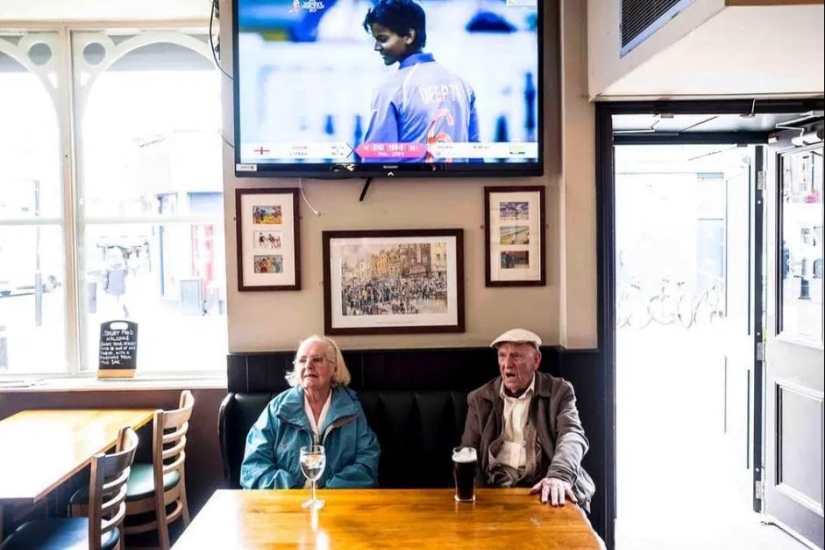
464, 471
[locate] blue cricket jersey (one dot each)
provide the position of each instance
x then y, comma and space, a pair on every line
423, 103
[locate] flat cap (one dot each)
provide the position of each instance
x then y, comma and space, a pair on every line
518, 335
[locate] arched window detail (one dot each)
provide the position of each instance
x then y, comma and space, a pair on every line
32, 251
150, 194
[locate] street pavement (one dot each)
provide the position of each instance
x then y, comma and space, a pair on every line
682, 483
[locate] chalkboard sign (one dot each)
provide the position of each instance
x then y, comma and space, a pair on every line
117, 353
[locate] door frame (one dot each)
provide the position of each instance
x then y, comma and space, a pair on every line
758, 293
606, 226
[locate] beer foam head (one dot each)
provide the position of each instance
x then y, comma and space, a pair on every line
464, 454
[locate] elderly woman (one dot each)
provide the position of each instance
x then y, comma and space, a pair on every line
318, 410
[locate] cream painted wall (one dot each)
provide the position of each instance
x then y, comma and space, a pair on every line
778, 52
563, 312
578, 190
604, 39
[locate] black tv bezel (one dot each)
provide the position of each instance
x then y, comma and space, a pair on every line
353, 170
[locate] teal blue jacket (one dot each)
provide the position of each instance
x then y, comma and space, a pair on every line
271, 458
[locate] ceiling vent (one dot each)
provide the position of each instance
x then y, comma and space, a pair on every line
641, 18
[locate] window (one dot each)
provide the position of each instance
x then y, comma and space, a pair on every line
32, 275
139, 218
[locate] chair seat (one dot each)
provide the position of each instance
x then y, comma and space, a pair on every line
57, 534
141, 485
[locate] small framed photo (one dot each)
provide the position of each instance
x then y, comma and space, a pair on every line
393, 281
268, 239
514, 241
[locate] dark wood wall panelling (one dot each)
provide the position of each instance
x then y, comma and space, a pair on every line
450, 369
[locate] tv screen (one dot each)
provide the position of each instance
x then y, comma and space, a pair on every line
364, 88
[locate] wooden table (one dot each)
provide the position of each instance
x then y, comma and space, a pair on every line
386, 518
41, 449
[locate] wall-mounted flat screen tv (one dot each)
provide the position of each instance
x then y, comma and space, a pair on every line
403, 88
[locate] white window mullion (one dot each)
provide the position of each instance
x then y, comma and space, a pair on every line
31, 221
68, 129
158, 219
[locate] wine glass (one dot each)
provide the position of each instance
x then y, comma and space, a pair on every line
313, 462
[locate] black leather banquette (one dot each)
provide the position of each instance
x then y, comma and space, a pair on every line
416, 432
415, 402
418, 416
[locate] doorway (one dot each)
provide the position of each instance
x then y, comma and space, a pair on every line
684, 356
685, 284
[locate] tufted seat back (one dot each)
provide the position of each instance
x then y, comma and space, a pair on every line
416, 432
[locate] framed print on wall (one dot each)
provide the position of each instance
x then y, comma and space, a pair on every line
268, 239
514, 241
393, 281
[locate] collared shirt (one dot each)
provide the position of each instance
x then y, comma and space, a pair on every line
311, 417
422, 102
514, 451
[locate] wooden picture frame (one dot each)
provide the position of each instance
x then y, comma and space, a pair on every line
514, 247
404, 281
268, 239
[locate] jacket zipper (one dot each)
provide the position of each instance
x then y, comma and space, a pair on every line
337, 424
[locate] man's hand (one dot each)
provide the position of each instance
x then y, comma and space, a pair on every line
554, 491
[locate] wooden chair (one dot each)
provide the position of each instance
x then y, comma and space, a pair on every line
99, 531
146, 508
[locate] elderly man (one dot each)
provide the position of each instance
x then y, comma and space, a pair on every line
525, 426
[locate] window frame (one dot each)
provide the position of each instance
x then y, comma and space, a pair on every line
69, 105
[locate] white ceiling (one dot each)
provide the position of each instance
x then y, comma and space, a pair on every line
101, 10
741, 51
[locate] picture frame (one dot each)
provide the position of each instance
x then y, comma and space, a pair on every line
268, 239
400, 281
514, 247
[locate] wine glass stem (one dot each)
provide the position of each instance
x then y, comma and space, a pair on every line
313, 491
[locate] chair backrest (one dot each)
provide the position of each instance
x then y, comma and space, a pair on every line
107, 487
169, 438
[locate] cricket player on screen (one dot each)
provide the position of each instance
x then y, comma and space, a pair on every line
422, 102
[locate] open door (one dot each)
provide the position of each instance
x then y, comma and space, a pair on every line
793, 349
739, 324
